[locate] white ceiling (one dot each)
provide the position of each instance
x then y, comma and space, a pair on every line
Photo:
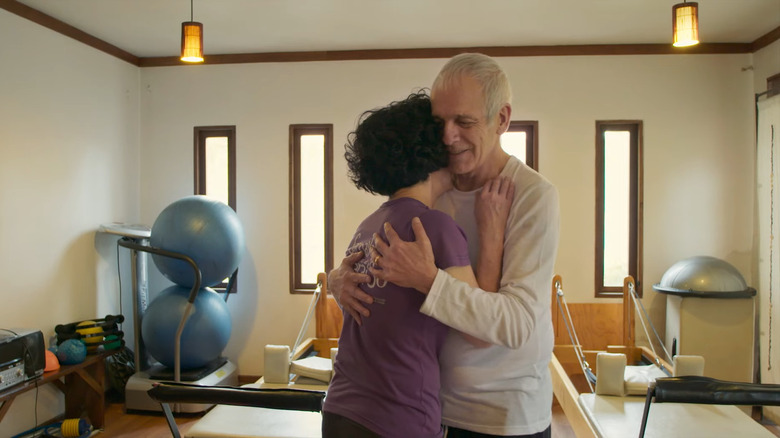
151, 28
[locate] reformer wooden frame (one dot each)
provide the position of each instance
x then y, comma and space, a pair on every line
567, 377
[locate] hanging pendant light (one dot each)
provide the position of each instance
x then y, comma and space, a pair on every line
685, 24
191, 40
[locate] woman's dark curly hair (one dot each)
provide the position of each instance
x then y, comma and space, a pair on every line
396, 146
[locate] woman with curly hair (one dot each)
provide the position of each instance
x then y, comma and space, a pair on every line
386, 380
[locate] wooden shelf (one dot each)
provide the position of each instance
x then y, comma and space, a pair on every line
82, 384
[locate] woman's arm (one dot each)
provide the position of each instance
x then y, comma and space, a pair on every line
491, 211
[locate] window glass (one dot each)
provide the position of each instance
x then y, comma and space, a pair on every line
312, 207
514, 144
617, 151
522, 140
217, 168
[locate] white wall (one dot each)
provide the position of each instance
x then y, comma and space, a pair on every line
262, 100
69, 118
698, 142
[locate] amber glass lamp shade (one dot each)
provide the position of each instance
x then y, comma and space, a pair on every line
685, 24
192, 41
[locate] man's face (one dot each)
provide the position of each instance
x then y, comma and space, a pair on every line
469, 136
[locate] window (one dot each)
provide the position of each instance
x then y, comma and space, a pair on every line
311, 205
522, 141
618, 205
215, 168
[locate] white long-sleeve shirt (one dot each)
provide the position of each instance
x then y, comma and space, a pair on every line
503, 389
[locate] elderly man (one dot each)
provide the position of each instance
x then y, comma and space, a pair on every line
504, 389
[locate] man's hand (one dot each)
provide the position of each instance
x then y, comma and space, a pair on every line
343, 284
407, 264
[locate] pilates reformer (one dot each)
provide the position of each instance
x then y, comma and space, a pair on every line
281, 399
708, 391
590, 414
688, 405
283, 402
644, 361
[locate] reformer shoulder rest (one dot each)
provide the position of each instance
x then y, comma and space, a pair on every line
706, 390
286, 399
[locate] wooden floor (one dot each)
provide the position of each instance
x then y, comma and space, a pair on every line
120, 424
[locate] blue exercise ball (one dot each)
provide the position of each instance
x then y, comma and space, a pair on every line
204, 229
205, 334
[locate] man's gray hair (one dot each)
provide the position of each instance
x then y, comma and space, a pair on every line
495, 84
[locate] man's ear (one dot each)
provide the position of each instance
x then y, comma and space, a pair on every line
504, 117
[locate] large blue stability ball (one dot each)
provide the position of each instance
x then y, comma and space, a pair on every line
205, 334
206, 230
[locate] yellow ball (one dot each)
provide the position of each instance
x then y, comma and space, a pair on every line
88, 334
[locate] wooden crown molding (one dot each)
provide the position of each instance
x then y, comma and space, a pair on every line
66, 29
766, 40
63, 28
355, 55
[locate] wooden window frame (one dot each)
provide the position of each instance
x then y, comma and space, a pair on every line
297, 286
201, 133
773, 85
636, 205
531, 129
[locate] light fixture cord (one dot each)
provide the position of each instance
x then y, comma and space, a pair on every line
191, 10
